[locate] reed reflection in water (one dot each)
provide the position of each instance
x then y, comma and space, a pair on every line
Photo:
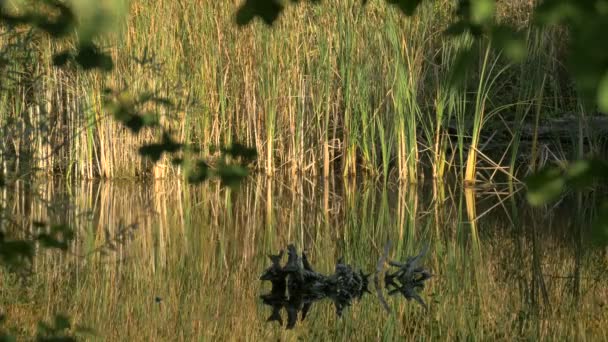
166, 261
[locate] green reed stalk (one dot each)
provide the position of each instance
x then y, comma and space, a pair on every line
367, 131
347, 24
386, 147
313, 89
269, 92
530, 91
487, 78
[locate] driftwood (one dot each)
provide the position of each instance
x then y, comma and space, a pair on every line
407, 280
565, 127
379, 270
548, 131
296, 286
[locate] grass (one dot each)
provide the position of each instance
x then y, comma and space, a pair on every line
328, 90
201, 250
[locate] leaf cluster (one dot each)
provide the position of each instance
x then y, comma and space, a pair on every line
552, 182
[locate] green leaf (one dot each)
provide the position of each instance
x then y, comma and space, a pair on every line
150, 119
545, 186
198, 173
267, 10
169, 144
163, 101
12, 251
154, 151
134, 123
602, 94
46, 332
582, 173
551, 12
461, 27
408, 7
239, 150
43, 328
39, 224
510, 42
98, 18
89, 57
62, 322
461, 65
482, 11
59, 237
62, 58
232, 175
60, 20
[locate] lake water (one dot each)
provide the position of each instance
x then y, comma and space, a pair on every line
168, 261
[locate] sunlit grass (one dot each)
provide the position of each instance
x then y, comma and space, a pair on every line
201, 250
328, 90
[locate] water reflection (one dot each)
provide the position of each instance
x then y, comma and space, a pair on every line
409, 278
296, 286
501, 270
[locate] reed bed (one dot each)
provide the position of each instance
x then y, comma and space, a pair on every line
340, 89
502, 270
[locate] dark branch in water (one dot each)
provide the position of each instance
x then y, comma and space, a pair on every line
409, 278
296, 286
379, 269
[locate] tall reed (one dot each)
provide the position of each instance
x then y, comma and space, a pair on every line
327, 89
489, 72
200, 251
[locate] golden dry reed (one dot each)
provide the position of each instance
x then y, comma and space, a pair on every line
501, 270
330, 89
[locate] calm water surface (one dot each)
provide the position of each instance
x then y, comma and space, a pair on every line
166, 261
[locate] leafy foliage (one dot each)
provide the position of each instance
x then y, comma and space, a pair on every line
60, 330
155, 151
88, 56
267, 10
58, 20
237, 150
549, 183
53, 17
198, 173
58, 237
406, 6
587, 59
587, 22
231, 175
545, 186
15, 254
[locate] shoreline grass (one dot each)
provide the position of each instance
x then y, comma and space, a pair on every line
338, 89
